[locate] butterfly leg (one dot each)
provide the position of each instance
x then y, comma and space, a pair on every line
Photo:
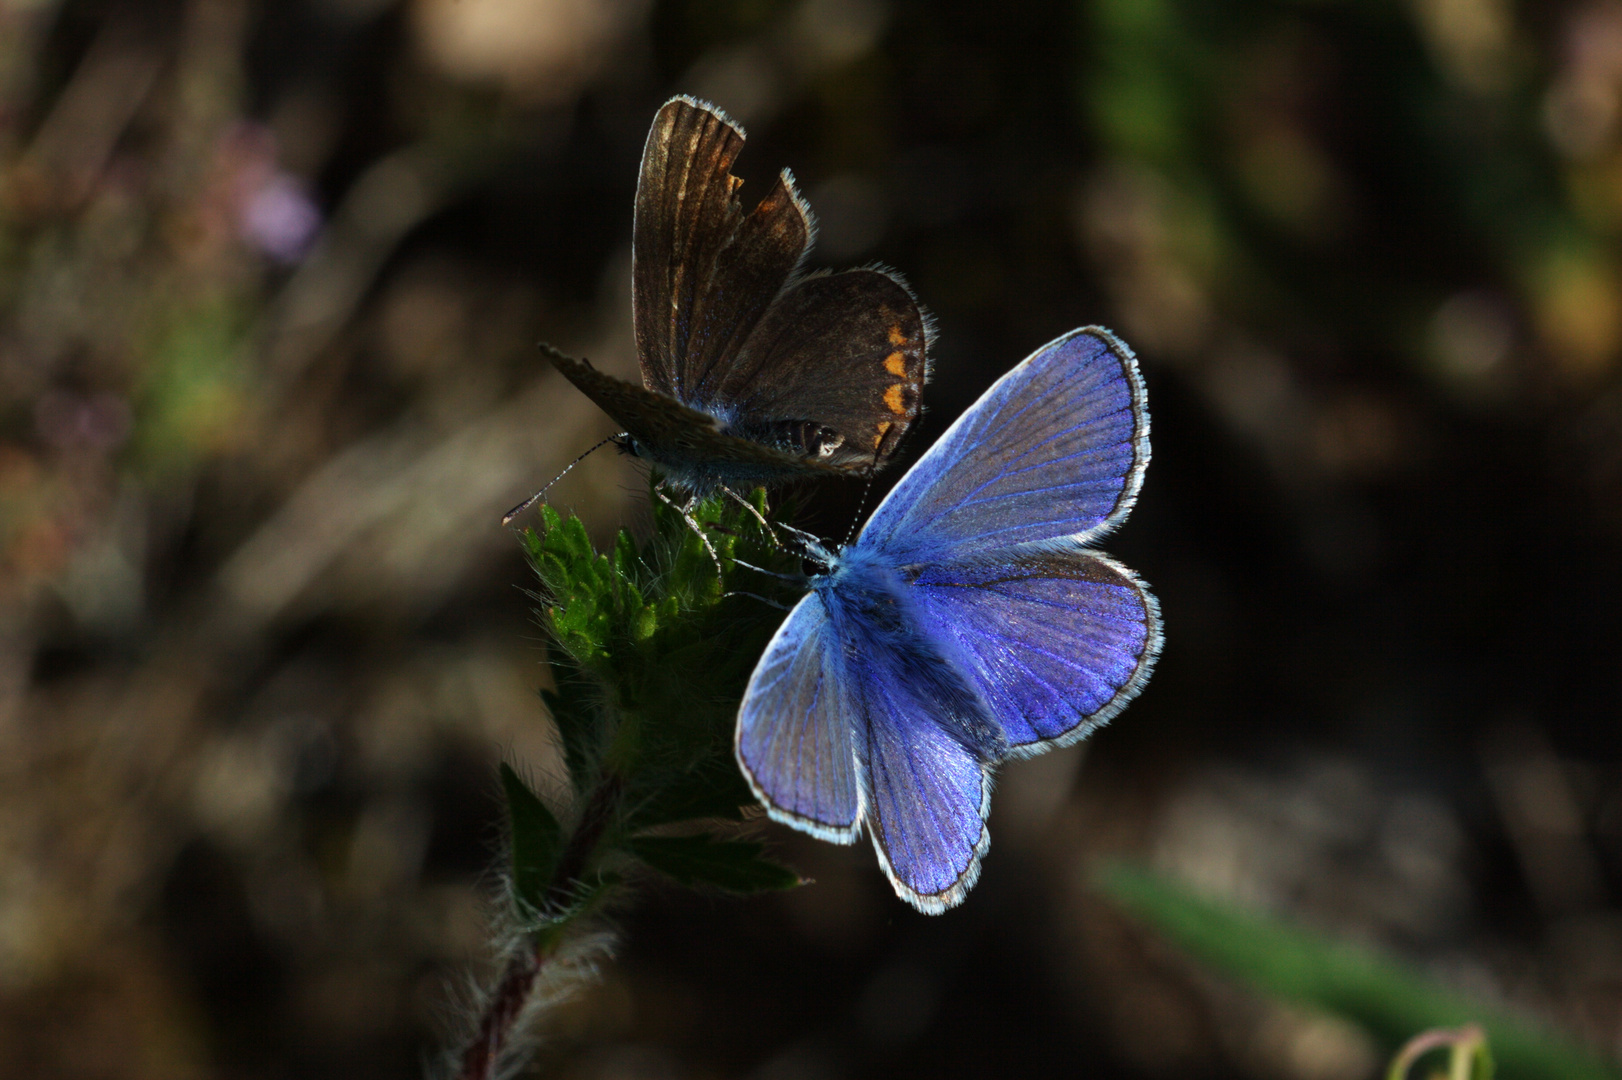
799, 534
798, 579
749, 506
811, 545
756, 596
686, 513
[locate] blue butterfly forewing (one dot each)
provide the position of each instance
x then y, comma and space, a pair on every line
1054, 451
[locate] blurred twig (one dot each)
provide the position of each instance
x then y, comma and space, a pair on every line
71, 149
1468, 1056
390, 198
441, 486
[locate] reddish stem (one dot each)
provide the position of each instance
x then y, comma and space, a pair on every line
512, 993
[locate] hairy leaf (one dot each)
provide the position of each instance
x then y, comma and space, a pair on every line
715, 789
535, 837
734, 866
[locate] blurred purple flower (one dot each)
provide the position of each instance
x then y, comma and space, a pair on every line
279, 218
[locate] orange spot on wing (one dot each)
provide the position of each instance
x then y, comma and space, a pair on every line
892, 399
884, 429
896, 336
896, 364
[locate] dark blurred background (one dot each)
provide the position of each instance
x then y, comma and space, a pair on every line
271, 278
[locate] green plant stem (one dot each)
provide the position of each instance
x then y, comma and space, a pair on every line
518, 981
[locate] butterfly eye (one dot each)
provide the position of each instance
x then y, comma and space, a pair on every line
813, 439
813, 561
828, 442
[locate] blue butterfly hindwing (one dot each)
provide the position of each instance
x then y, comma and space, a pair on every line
797, 736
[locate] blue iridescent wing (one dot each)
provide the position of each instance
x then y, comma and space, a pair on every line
1055, 450
925, 737
854, 719
1056, 642
928, 795
794, 737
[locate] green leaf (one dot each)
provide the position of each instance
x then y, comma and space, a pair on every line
1387, 998
650, 657
734, 866
585, 898
533, 544
714, 789
535, 837
627, 560
578, 721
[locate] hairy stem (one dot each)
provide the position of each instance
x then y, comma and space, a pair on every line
512, 994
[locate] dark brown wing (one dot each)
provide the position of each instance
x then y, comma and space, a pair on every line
845, 351
688, 444
702, 271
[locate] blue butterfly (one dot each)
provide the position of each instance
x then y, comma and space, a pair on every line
969, 623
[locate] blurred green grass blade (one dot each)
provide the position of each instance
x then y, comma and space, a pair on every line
1390, 1000
535, 836
1476, 1060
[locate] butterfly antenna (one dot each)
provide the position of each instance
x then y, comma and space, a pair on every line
861, 505
506, 519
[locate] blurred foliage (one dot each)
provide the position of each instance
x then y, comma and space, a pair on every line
1316, 166
1389, 999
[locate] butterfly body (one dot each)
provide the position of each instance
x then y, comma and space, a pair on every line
970, 622
870, 604
753, 372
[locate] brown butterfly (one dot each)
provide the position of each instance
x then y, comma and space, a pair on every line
752, 371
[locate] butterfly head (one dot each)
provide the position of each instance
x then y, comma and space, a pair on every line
852, 570
824, 558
